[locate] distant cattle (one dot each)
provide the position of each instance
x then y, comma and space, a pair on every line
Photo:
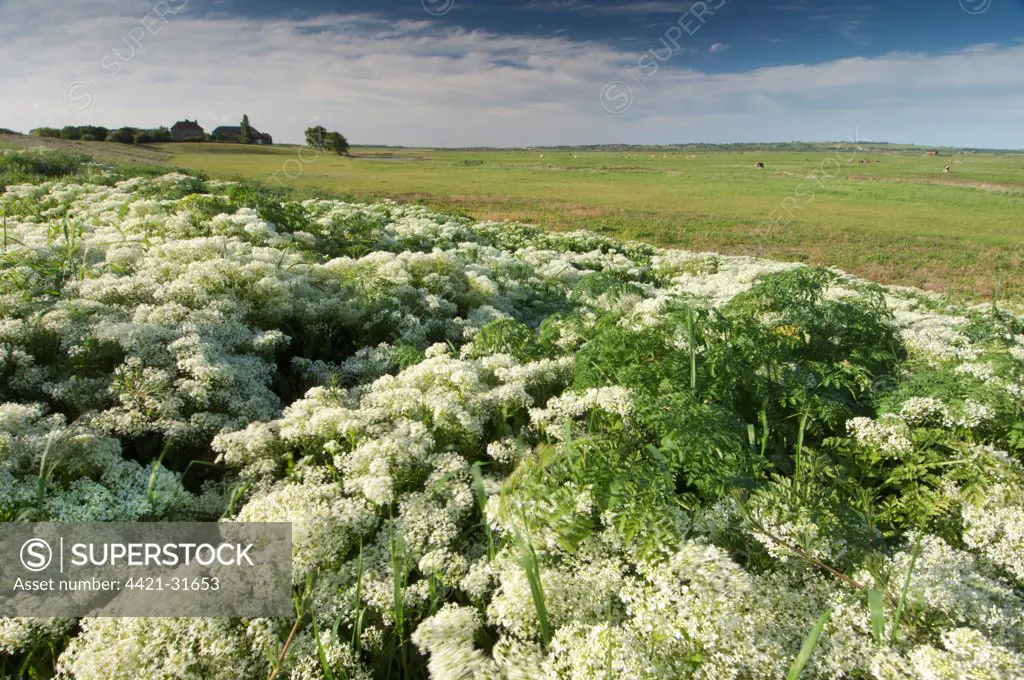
759, 165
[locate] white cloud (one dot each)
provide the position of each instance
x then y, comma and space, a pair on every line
717, 47
641, 8
427, 83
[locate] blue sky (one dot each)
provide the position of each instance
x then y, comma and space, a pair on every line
533, 72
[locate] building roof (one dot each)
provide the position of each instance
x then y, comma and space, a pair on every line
186, 125
235, 131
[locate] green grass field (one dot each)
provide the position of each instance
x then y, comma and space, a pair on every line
892, 218
889, 216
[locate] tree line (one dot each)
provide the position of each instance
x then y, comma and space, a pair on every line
317, 137
98, 133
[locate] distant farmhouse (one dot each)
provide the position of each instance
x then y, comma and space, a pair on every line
231, 133
187, 131
190, 131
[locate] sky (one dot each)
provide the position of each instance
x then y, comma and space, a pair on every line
525, 73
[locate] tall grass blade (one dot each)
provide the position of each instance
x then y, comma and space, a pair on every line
692, 333
764, 427
481, 501
810, 642
325, 665
399, 574
357, 600
43, 475
155, 470
531, 565
237, 493
46, 469
903, 593
875, 604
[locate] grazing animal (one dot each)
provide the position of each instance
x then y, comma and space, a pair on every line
946, 169
759, 165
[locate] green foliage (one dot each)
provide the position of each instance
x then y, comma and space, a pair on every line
202, 208
156, 135
909, 487
316, 137
124, 135
633, 481
784, 347
34, 165
245, 136
703, 445
506, 336
286, 217
779, 354
336, 142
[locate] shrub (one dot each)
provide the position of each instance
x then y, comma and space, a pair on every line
33, 165
122, 136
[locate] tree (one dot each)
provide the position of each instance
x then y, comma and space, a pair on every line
96, 131
246, 130
316, 137
336, 142
161, 134
125, 135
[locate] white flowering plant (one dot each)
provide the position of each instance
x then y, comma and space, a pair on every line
506, 453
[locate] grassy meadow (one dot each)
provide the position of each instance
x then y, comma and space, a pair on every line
892, 217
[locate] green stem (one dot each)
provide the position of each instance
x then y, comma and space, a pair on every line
798, 471
692, 331
764, 427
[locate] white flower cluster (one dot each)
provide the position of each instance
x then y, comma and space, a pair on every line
995, 528
889, 436
934, 336
559, 416
86, 477
932, 412
22, 634
126, 649
965, 653
952, 583
335, 362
